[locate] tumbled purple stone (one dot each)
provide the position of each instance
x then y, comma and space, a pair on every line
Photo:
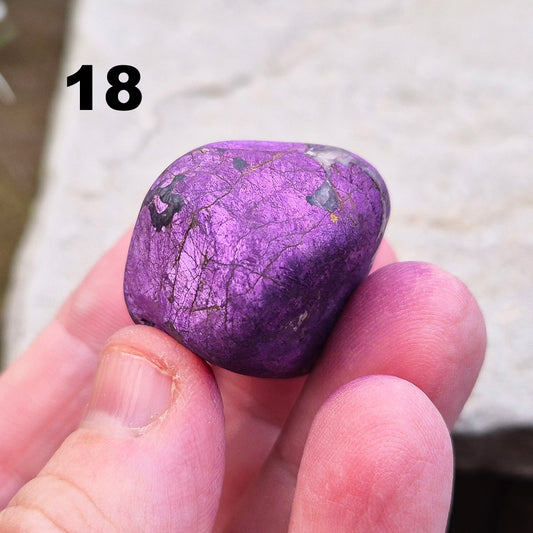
247, 251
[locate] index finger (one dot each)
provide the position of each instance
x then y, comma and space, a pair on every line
44, 392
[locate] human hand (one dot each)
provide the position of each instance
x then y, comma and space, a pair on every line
169, 444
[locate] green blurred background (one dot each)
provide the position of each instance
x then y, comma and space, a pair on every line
30, 49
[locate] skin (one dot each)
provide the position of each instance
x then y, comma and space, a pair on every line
112, 427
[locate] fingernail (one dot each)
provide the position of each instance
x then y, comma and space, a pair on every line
129, 389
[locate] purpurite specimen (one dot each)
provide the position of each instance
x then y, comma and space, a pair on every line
247, 251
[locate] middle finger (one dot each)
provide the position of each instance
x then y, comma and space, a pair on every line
411, 320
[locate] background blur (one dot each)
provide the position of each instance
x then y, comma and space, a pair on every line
436, 95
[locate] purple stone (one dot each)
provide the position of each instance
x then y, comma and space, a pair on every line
247, 251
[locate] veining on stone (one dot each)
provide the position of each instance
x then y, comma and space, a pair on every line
246, 251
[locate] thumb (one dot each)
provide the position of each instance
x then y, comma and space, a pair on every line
149, 455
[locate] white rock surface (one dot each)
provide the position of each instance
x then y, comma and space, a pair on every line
437, 95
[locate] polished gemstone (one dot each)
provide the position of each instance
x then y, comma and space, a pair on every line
247, 251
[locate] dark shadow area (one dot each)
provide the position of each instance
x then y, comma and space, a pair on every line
508, 451
486, 502
488, 497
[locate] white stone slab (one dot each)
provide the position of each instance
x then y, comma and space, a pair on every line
437, 95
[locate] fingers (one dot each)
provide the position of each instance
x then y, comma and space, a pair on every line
378, 458
148, 456
385, 256
44, 392
256, 409
410, 320
97, 308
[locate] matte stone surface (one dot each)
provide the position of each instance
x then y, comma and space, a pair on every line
246, 251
